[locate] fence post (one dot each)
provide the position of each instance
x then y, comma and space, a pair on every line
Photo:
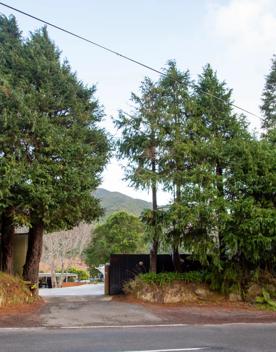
107, 279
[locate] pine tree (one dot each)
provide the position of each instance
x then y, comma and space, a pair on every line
269, 98
250, 228
58, 142
177, 109
219, 129
11, 167
139, 144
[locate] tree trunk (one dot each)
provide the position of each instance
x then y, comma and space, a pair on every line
31, 267
53, 275
219, 173
153, 256
61, 278
176, 240
176, 259
155, 242
7, 241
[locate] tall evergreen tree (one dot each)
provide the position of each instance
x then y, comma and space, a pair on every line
68, 150
176, 113
218, 129
62, 148
250, 228
269, 98
140, 145
11, 166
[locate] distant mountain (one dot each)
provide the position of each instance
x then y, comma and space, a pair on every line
116, 201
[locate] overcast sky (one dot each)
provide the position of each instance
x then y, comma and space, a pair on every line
237, 37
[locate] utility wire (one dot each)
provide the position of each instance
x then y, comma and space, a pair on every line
117, 53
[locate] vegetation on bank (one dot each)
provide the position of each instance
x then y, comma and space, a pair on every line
14, 291
196, 286
167, 278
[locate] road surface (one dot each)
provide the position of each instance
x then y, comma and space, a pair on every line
82, 319
208, 338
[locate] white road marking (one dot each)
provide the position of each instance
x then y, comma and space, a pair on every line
173, 349
49, 327
123, 326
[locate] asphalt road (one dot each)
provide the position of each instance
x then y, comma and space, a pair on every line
230, 338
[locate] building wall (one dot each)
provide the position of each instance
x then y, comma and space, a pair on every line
20, 251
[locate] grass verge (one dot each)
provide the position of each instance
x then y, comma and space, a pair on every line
13, 291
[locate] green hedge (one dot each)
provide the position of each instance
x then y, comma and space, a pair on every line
165, 278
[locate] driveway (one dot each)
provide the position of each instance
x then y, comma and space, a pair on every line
83, 290
86, 306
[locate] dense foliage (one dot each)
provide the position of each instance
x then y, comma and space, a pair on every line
269, 98
52, 151
82, 274
167, 278
221, 177
121, 233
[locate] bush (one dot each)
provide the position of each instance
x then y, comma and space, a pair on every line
82, 274
167, 278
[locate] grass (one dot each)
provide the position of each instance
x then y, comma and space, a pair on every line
13, 291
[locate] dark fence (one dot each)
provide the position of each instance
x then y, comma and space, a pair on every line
124, 267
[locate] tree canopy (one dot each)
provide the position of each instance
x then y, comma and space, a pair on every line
269, 98
50, 140
121, 233
220, 176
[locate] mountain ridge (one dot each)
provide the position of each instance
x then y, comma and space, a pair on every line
113, 201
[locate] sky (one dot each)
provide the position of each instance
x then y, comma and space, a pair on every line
237, 37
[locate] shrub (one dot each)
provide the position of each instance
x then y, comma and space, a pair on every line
82, 274
167, 278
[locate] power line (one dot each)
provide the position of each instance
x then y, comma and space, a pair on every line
117, 53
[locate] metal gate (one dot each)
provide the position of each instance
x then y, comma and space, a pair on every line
124, 267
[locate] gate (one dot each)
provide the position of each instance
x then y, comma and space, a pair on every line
124, 267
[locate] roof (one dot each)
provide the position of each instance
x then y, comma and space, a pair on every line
58, 274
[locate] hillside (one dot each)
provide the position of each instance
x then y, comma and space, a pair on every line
116, 201
76, 239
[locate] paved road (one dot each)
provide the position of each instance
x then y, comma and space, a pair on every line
96, 323
83, 290
227, 338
